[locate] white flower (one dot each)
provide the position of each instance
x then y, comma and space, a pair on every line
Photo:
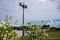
5, 27
4, 38
3, 22
46, 34
7, 31
5, 35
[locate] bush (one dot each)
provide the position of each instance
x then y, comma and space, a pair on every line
6, 32
35, 33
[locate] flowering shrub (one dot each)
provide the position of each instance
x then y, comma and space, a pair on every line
36, 33
6, 32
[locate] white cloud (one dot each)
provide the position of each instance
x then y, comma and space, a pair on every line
41, 0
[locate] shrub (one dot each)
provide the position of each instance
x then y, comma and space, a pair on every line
6, 32
35, 33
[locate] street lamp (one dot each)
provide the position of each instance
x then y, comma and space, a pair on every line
24, 6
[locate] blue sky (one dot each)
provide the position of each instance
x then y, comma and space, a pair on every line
37, 11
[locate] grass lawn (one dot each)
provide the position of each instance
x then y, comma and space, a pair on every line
53, 35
